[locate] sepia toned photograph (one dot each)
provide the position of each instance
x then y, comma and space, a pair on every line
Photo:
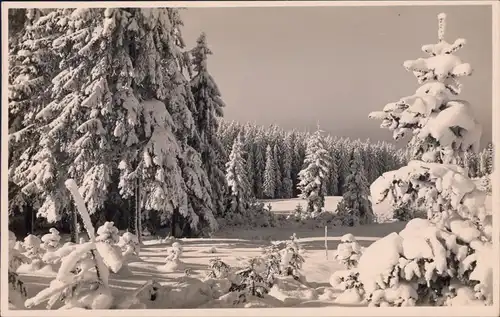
204, 156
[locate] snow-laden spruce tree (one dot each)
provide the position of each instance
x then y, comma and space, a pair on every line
260, 163
35, 161
270, 174
118, 80
240, 194
313, 175
209, 106
443, 260
355, 207
332, 179
277, 164
286, 168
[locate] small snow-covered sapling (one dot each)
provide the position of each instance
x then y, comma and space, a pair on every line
218, 268
298, 213
106, 244
32, 245
252, 280
172, 261
272, 258
129, 244
51, 240
291, 260
108, 233
174, 253
348, 251
347, 254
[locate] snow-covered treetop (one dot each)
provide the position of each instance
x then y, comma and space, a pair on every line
441, 126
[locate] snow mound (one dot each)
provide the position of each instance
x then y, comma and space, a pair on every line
290, 291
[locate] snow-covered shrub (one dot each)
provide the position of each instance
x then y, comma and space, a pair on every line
129, 244
418, 265
32, 245
172, 261
298, 213
51, 240
252, 281
348, 251
272, 259
348, 282
220, 277
82, 279
260, 215
106, 242
17, 290
108, 233
291, 260
34, 252
218, 268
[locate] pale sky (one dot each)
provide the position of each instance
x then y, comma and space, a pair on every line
297, 66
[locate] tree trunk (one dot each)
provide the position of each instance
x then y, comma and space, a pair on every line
173, 223
131, 215
138, 227
29, 219
74, 224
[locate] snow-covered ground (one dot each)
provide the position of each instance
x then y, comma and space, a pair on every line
234, 245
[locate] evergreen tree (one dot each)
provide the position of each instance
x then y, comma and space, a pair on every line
443, 130
270, 174
260, 164
278, 177
32, 65
286, 172
313, 176
240, 193
355, 207
490, 158
209, 108
298, 160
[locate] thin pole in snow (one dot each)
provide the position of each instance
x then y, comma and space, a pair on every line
326, 242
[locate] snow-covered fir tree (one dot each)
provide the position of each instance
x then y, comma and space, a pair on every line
270, 174
332, 178
260, 164
313, 176
209, 107
39, 160
355, 207
450, 266
240, 193
129, 108
279, 179
286, 167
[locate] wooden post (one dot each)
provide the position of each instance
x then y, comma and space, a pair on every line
326, 242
